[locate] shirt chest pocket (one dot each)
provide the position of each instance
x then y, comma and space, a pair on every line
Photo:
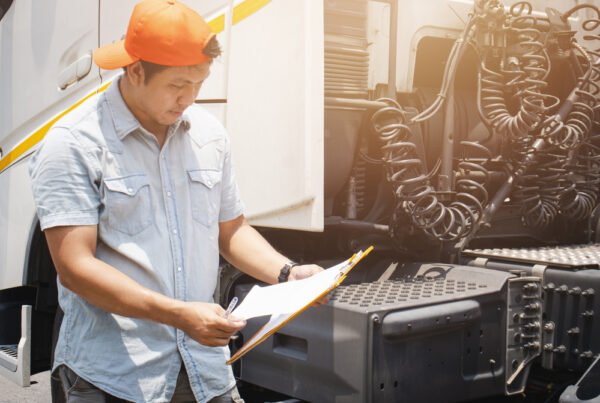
128, 205
205, 194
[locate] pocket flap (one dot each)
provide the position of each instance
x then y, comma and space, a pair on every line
207, 177
128, 185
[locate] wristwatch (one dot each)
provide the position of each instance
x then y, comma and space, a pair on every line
284, 273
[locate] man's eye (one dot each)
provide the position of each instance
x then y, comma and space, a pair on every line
175, 86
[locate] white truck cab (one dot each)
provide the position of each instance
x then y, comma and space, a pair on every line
459, 137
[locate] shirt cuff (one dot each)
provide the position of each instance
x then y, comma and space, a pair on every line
69, 219
231, 213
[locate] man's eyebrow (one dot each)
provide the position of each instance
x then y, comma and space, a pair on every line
186, 81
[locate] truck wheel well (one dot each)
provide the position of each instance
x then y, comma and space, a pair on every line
41, 275
4, 6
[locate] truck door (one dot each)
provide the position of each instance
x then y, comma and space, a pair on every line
45, 70
45, 62
275, 111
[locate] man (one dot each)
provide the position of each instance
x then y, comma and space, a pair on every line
136, 195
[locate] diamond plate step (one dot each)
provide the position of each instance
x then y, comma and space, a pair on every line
8, 357
15, 363
573, 256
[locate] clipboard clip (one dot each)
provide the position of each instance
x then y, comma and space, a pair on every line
342, 274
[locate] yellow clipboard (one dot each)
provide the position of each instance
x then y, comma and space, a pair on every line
275, 324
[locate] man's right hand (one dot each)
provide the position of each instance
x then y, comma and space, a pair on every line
206, 323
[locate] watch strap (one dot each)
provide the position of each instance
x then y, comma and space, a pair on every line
284, 273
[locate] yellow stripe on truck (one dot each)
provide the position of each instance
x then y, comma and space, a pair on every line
217, 24
39, 135
240, 12
247, 8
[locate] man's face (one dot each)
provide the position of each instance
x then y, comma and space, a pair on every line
165, 96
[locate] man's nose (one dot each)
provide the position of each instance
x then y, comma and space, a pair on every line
187, 96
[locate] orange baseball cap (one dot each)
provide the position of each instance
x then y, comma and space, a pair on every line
163, 32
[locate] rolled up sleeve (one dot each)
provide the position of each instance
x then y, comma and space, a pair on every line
231, 203
63, 182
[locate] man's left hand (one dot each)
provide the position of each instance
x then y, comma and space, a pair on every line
305, 271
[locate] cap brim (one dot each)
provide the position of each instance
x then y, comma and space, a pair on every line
113, 56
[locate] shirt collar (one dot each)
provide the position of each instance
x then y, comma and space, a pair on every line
123, 120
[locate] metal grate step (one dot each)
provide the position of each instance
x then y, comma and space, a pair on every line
573, 256
8, 356
11, 350
15, 362
402, 290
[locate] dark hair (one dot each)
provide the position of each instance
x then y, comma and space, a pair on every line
212, 50
150, 69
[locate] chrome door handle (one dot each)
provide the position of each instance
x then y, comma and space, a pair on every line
75, 71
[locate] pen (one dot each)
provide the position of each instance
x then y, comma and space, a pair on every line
231, 306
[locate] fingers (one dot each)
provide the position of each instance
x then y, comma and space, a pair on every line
226, 326
230, 325
304, 271
321, 301
237, 320
215, 341
222, 331
210, 327
217, 338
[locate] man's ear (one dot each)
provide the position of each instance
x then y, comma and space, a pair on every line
135, 74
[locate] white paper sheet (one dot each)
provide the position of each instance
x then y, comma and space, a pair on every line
289, 297
273, 323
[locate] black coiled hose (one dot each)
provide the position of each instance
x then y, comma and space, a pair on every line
578, 134
550, 154
415, 194
526, 82
579, 200
524, 77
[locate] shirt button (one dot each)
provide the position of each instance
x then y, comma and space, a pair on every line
175, 231
179, 269
130, 190
209, 183
169, 194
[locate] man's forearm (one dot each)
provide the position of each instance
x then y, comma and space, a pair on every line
73, 250
247, 250
107, 288
117, 293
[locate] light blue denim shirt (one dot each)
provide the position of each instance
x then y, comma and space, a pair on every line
158, 213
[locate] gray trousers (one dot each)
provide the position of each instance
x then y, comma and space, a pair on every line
78, 390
